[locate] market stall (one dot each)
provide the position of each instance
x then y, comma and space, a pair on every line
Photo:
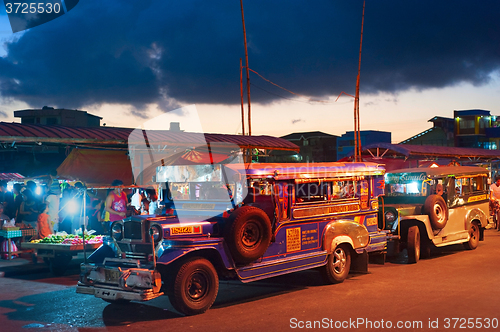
57, 250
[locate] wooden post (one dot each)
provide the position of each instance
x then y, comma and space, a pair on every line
247, 70
241, 94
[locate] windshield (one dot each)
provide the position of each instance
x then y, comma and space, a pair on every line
212, 182
402, 184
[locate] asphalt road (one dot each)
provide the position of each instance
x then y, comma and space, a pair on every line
454, 288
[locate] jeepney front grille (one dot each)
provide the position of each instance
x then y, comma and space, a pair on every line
136, 251
132, 230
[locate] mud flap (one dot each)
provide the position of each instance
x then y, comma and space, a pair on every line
394, 248
359, 263
377, 258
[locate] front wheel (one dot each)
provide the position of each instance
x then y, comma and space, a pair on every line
413, 244
337, 266
473, 237
195, 287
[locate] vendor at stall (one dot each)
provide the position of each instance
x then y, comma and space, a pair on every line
116, 202
43, 221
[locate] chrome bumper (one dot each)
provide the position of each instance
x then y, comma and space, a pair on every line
115, 283
115, 293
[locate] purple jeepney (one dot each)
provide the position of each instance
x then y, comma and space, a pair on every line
240, 221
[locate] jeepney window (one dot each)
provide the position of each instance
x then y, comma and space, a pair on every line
311, 192
261, 187
336, 190
458, 187
465, 186
179, 190
413, 188
478, 183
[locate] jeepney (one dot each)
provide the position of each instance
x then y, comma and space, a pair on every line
240, 221
425, 208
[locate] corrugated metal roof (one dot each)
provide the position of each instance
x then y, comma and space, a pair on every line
18, 132
436, 151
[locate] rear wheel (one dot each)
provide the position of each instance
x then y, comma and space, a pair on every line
195, 287
413, 244
473, 237
337, 266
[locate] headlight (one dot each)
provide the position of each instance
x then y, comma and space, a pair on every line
390, 216
117, 231
156, 232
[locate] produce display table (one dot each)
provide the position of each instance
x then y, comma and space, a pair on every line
57, 255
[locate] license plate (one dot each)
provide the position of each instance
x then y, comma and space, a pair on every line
111, 276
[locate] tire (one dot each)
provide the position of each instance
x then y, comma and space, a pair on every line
248, 234
337, 265
413, 244
195, 287
473, 237
425, 249
435, 207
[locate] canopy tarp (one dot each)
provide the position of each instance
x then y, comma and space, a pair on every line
11, 177
96, 167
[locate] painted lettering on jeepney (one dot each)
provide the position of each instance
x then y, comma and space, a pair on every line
371, 221
293, 239
364, 194
405, 177
324, 210
185, 230
309, 237
197, 206
477, 198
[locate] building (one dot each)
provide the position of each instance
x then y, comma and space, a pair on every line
315, 146
345, 143
473, 128
442, 133
60, 116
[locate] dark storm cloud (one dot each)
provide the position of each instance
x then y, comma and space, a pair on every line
162, 52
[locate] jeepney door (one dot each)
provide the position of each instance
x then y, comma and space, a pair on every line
282, 194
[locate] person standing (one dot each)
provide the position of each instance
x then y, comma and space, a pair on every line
52, 200
116, 203
43, 221
29, 207
495, 200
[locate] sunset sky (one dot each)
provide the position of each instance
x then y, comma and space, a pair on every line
130, 61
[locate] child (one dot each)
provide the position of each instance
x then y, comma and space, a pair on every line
43, 221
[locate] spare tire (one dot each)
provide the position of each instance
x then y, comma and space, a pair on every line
435, 207
248, 234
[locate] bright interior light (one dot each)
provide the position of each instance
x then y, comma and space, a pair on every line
412, 188
38, 190
72, 207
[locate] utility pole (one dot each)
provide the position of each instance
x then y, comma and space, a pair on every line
357, 135
247, 70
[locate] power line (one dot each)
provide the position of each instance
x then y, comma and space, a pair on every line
289, 91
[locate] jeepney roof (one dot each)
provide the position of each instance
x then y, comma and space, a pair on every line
445, 171
283, 171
